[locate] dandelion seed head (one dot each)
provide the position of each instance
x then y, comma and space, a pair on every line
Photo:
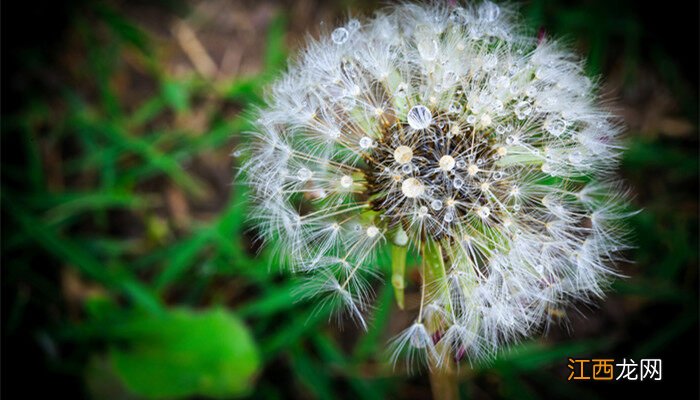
444, 126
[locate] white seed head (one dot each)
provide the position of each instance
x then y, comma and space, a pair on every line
443, 125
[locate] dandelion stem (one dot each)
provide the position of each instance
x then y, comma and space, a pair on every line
444, 381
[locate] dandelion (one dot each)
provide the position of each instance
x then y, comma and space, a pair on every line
447, 132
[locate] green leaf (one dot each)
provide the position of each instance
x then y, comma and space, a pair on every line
184, 353
175, 94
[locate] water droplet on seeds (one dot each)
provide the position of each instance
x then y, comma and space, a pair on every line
365, 142
401, 238
489, 11
531, 91
419, 117
372, 231
500, 129
340, 35
406, 168
428, 49
401, 89
457, 16
484, 212
522, 110
503, 82
471, 119
449, 217
555, 126
354, 24
304, 174
490, 62
576, 157
346, 181
455, 107
436, 205
458, 183
461, 164
422, 211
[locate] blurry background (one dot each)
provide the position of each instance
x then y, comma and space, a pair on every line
128, 268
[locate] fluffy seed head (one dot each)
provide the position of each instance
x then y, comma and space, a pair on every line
446, 130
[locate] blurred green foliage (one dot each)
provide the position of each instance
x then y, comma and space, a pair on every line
90, 195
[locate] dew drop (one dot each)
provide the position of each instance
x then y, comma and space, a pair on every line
365, 142
455, 107
401, 89
489, 11
457, 16
436, 205
304, 174
555, 126
372, 231
346, 181
458, 183
490, 61
422, 211
483, 212
419, 117
522, 110
471, 119
354, 24
401, 238
449, 217
340, 35
406, 168
576, 157
428, 49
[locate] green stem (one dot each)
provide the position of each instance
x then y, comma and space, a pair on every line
443, 378
398, 272
444, 382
